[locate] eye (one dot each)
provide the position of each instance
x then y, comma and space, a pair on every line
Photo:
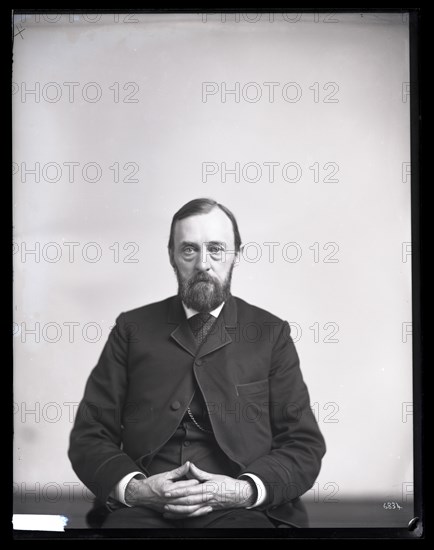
215, 249
188, 250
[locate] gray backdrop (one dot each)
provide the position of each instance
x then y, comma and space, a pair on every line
300, 125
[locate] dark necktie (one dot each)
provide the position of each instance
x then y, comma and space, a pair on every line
200, 325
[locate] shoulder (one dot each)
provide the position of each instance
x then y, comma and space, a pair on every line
153, 311
248, 312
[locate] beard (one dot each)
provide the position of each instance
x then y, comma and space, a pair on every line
202, 292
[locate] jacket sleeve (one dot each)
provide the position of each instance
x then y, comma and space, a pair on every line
95, 442
294, 462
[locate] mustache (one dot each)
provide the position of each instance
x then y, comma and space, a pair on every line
201, 278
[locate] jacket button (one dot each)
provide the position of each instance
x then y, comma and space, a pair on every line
175, 405
198, 362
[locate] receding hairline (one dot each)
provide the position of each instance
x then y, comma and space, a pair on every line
213, 209
199, 214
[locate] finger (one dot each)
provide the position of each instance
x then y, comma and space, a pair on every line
199, 474
191, 499
176, 485
200, 512
179, 472
198, 489
180, 509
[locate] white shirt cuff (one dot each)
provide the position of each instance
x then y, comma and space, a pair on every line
118, 493
260, 489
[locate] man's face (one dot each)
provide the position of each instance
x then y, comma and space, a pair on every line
203, 259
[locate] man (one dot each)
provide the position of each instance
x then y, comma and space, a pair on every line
196, 414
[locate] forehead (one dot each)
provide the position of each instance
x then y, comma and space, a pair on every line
201, 228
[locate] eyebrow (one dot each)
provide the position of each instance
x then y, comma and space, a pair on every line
221, 243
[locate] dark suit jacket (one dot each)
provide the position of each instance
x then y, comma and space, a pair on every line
248, 371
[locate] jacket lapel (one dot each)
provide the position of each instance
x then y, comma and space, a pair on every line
216, 338
182, 333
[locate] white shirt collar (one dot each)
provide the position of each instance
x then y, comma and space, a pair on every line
189, 312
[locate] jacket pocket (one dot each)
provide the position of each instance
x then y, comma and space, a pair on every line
260, 386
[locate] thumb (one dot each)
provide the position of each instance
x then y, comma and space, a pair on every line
180, 471
199, 474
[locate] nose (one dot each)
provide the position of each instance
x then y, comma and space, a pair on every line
203, 263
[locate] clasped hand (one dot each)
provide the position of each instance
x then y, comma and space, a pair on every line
176, 498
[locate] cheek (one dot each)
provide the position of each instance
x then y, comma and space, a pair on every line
222, 270
184, 267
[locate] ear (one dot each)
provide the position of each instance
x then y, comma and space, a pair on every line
238, 255
171, 259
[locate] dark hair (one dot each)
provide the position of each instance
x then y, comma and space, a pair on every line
203, 206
